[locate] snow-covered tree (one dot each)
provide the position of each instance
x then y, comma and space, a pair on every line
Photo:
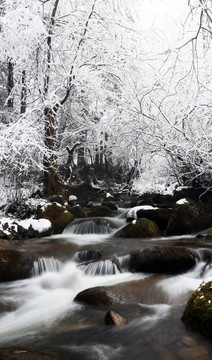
56, 48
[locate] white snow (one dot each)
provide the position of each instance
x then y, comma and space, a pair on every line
37, 225
10, 222
72, 198
182, 201
108, 195
132, 213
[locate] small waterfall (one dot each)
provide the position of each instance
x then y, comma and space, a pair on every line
103, 267
124, 262
90, 226
43, 265
86, 255
205, 256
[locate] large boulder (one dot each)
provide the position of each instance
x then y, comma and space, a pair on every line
188, 217
198, 312
132, 292
57, 215
163, 260
33, 228
14, 265
160, 216
141, 228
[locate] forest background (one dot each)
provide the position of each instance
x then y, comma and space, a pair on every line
122, 87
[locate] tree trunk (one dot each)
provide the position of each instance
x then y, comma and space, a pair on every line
53, 184
10, 83
23, 92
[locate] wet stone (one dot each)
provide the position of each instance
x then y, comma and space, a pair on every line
112, 318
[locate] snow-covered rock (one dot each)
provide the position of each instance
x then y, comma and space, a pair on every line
132, 213
41, 225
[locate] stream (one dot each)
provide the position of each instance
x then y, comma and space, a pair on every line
40, 312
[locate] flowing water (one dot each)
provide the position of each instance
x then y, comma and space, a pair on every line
40, 312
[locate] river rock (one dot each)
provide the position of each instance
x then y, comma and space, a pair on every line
87, 255
132, 292
163, 260
160, 216
189, 217
57, 215
198, 311
112, 318
140, 228
77, 211
14, 265
100, 211
24, 354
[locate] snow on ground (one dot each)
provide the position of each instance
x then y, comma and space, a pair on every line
37, 225
132, 213
40, 225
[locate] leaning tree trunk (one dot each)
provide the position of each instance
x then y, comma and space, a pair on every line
53, 183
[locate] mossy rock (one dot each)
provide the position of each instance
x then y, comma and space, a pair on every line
162, 260
140, 228
160, 216
77, 211
14, 265
189, 218
57, 215
100, 211
198, 312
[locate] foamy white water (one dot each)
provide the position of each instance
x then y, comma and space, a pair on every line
46, 299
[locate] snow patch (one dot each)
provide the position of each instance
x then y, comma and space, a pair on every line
182, 201
40, 225
132, 213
